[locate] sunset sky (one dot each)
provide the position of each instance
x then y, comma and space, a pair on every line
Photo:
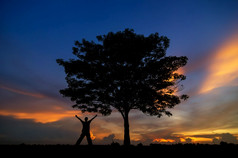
33, 34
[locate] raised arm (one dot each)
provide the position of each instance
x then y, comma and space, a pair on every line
93, 117
78, 118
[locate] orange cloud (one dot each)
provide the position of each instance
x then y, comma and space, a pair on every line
162, 140
92, 136
181, 71
201, 139
36, 95
42, 117
223, 69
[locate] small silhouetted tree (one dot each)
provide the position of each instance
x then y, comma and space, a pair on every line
123, 71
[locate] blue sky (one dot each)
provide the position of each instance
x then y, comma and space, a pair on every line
33, 34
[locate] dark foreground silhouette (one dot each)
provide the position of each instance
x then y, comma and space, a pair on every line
185, 150
85, 130
124, 71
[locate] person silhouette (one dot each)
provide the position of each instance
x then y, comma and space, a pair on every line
85, 130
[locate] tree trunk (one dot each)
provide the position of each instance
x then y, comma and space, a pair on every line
127, 140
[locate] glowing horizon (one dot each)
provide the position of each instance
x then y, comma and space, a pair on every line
40, 117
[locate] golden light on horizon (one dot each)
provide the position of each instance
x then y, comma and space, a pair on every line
184, 139
201, 139
162, 140
41, 117
223, 69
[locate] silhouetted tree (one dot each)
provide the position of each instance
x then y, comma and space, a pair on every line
123, 71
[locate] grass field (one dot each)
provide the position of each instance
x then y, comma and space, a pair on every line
117, 150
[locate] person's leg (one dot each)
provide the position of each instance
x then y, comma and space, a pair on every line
89, 139
80, 139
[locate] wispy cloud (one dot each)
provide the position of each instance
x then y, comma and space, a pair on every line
223, 67
22, 92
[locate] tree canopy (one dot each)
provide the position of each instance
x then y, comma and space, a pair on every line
124, 71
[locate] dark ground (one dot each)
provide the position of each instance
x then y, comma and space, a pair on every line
185, 150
